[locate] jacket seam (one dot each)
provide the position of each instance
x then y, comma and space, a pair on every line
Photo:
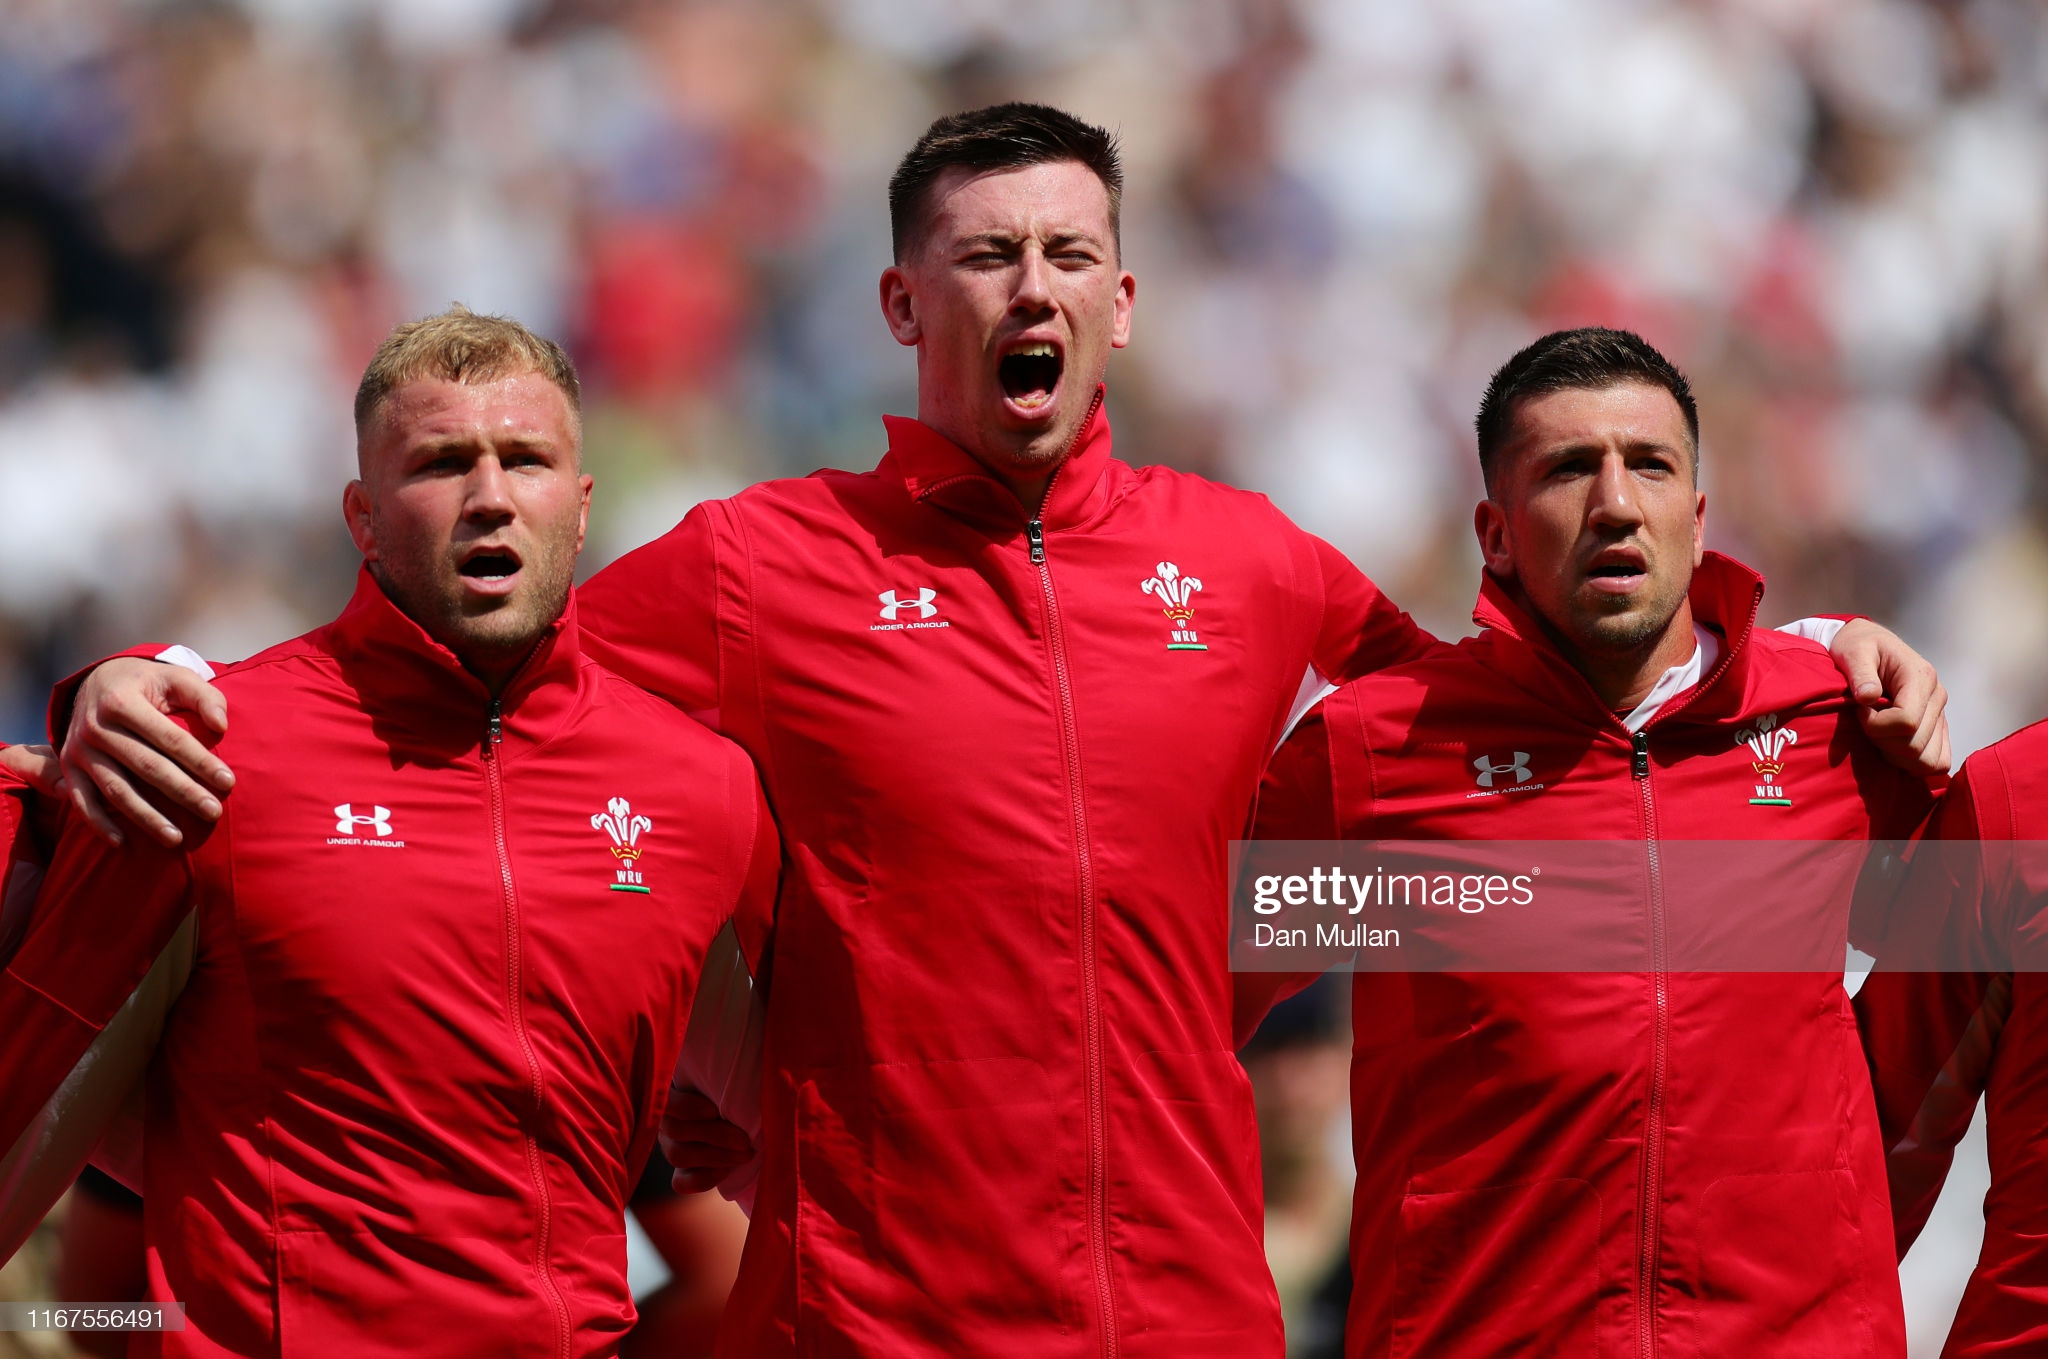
759, 708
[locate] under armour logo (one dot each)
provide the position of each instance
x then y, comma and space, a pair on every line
923, 603
1487, 768
346, 821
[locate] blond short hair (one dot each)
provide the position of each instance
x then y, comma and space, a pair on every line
460, 346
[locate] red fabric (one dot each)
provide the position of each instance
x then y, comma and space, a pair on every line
1003, 1114
1510, 1128
1936, 1041
403, 1099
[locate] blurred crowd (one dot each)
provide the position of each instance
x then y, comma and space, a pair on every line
1342, 215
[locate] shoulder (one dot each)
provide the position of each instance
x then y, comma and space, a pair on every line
1157, 482
1788, 673
279, 672
2011, 774
625, 705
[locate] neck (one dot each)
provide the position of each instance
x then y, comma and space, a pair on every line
1027, 470
1623, 679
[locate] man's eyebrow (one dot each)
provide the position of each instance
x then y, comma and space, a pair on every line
995, 238
1010, 240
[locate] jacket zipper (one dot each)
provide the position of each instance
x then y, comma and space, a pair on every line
1091, 1000
1652, 1191
516, 1004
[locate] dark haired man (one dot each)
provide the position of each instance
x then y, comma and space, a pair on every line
1617, 1162
1010, 698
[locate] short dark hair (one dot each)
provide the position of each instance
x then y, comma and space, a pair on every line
1000, 137
1590, 357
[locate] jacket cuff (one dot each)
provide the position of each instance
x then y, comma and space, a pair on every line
1821, 627
66, 692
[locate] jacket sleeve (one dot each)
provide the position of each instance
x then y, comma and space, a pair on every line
1297, 801
1929, 1036
652, 617
101, 920
21, 867
723, 1045
1362, 630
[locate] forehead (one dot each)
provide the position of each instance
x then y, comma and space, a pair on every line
1621, 413
525, 405
1061, 196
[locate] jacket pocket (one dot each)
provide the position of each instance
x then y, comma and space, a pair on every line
1777, 1266
929, 1211
1503, 1269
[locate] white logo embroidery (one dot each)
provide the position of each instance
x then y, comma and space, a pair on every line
923, 603
1174, 591
894, 608
372, 831
1768, 741
346, 820
1519, 767
624, 828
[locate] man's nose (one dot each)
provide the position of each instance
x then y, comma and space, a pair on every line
1034, 282
489, 491
1614, 502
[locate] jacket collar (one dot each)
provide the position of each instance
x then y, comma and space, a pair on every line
937, 471
419, 695
1725, 596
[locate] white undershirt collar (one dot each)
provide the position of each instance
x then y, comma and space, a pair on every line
1678, 679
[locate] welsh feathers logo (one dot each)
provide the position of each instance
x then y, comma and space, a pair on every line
1768, 741
625, 829
1176, 592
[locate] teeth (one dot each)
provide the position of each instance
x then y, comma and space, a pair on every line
1040, 350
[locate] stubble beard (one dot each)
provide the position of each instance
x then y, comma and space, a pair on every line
428, 590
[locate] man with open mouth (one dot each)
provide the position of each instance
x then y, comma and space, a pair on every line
1661, 1138
1010, 698
408, 1009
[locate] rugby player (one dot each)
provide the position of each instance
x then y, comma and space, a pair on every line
1611, 1162
1938, 1041
409, 1006
1010, 698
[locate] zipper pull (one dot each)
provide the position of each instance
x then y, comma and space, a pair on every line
1641, 742
1035, 531
497, 722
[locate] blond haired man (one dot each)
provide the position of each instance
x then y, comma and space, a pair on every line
409, 1005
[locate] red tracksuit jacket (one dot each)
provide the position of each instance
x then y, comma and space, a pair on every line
1936, 1041
402, 1100
1003, 1114
1606, 1163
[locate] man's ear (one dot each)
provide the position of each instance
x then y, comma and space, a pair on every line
355, 510
1490, 523
899, 307
1699, 529
583, 516
1126, 298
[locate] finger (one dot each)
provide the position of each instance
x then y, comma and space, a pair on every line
138, 721
84, 795
143, 763
122, 797
722, 1138
694, 1181
697, 1155
38, 765
1933, 729
684, 1102
1911, 684
184, 689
